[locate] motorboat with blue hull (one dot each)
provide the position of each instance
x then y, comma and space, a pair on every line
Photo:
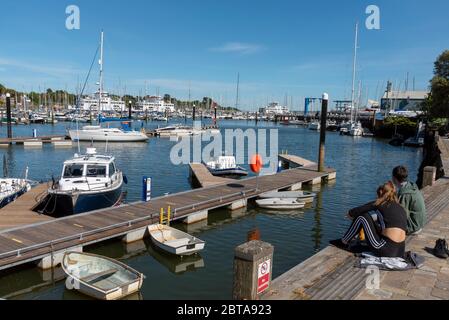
11, 189
89, 182
225, 166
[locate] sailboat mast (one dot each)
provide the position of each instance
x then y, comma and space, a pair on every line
354, 71
238, 85
101, 73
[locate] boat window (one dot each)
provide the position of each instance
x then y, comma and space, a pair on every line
111, 169
73, 171
96, 171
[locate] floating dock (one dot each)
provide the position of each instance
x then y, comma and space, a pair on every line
45, 242
34, 141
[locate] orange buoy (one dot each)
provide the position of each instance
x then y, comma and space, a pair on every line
256, 163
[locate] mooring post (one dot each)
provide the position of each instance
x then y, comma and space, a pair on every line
193, 113
215, 116
253, 264
130, 112
321, 155
429, 176
8, 114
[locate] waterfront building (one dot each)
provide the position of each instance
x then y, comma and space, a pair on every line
403, 100
108, 104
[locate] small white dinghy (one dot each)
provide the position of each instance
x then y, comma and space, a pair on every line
280, 204
175, 241
303, 196
101, 277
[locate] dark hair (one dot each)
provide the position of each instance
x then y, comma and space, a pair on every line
400, 173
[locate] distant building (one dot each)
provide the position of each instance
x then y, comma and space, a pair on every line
107, 103
403, 100
274, 108
155, 104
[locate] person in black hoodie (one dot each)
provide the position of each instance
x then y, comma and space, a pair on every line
386, 238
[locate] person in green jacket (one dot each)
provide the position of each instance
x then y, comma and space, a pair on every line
411, 198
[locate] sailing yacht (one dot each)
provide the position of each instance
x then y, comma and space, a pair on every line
88, 182
98, 133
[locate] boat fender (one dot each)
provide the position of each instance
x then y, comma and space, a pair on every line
125, 179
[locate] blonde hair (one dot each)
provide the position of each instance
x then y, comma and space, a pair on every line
386, 194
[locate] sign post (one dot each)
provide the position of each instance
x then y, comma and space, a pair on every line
146, 189
253, 263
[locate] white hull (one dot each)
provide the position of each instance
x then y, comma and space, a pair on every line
175, 241
109, 136
280, 204
302, 196
100, 277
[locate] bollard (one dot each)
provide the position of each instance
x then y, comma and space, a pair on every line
253, 264
429, 176
193, 113
323, 132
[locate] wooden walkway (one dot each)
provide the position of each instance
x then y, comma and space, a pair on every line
33, 242
20, 213
201, 176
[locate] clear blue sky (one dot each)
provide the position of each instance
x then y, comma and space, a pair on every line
295, 48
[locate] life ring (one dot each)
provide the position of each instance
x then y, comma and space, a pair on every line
256, 163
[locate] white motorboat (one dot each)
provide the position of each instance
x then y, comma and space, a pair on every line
280, 204
315, 126
101, 277
175, 241
225, 166
302, 196
89, 182
11, 189
97, 133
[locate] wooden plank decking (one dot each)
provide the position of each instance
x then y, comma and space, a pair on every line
19, 213
39, 240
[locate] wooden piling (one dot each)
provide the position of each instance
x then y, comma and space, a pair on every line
321, 155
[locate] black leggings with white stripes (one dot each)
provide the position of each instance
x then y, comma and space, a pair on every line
381, 245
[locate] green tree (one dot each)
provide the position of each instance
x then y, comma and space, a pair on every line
438, 101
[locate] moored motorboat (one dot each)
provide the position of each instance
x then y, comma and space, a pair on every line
302, 196
175, 241
89, 182
225, 166
280, 204
11, 189
101, 277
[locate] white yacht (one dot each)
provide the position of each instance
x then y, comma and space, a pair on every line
356, 130
315, 126
88, 182
97, 133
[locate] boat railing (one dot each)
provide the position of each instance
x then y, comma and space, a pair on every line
81, 236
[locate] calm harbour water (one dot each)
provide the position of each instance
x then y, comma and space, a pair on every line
361, 163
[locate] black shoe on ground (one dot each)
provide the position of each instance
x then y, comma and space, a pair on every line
339, 244
441, 249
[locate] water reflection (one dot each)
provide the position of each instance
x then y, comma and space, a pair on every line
175, 264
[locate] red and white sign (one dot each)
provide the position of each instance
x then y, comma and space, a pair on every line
263, 279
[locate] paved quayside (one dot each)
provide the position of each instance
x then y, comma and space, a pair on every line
331, 275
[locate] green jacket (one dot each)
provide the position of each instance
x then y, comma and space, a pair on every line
413, 202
